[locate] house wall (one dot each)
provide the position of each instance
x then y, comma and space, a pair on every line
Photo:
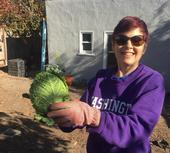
66, 18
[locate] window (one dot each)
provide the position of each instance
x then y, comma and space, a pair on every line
107, 51
86, 43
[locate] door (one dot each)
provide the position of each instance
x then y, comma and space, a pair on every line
109, 59
3, 49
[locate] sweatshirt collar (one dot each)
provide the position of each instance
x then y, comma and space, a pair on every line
130, 75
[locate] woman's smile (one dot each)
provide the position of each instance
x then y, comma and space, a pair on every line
127, 53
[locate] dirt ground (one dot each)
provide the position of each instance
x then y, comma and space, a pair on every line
20, 133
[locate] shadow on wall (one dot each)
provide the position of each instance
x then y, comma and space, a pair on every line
158, 53
85, 67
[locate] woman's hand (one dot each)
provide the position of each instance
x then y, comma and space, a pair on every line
74, 113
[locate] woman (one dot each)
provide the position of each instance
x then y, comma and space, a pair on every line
121, 106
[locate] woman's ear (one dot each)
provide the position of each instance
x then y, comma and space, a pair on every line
145, 47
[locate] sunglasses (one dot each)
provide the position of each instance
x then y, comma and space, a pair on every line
137, 40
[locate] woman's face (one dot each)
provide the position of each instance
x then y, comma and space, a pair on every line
129, 52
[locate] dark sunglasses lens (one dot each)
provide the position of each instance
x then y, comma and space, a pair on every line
137, 40
121, 40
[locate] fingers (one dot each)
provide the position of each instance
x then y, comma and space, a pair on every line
57, 113
58, 106
63, 122
60, 117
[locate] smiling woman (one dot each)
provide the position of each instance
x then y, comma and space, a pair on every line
130, 38
129, 48
122, 105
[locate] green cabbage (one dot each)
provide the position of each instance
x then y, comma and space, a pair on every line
48, 87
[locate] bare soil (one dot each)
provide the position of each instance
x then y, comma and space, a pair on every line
20, 133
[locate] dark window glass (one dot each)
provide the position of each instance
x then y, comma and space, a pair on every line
87, 37
87, 46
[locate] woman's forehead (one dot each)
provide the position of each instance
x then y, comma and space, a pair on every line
133, 32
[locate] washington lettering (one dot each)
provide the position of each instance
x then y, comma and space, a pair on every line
111, 105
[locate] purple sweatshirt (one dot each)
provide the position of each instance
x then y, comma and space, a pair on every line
130, 108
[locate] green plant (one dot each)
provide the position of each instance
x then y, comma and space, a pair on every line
55, 69
48, 87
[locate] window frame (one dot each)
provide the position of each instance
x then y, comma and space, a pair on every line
84, 52
106, 33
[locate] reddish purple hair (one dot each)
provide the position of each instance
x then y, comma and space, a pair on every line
129, 23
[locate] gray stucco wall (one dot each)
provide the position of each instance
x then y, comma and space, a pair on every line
66, 18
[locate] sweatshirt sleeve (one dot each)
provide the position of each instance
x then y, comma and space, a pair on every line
124, 130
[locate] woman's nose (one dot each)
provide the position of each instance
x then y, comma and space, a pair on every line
129, 44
